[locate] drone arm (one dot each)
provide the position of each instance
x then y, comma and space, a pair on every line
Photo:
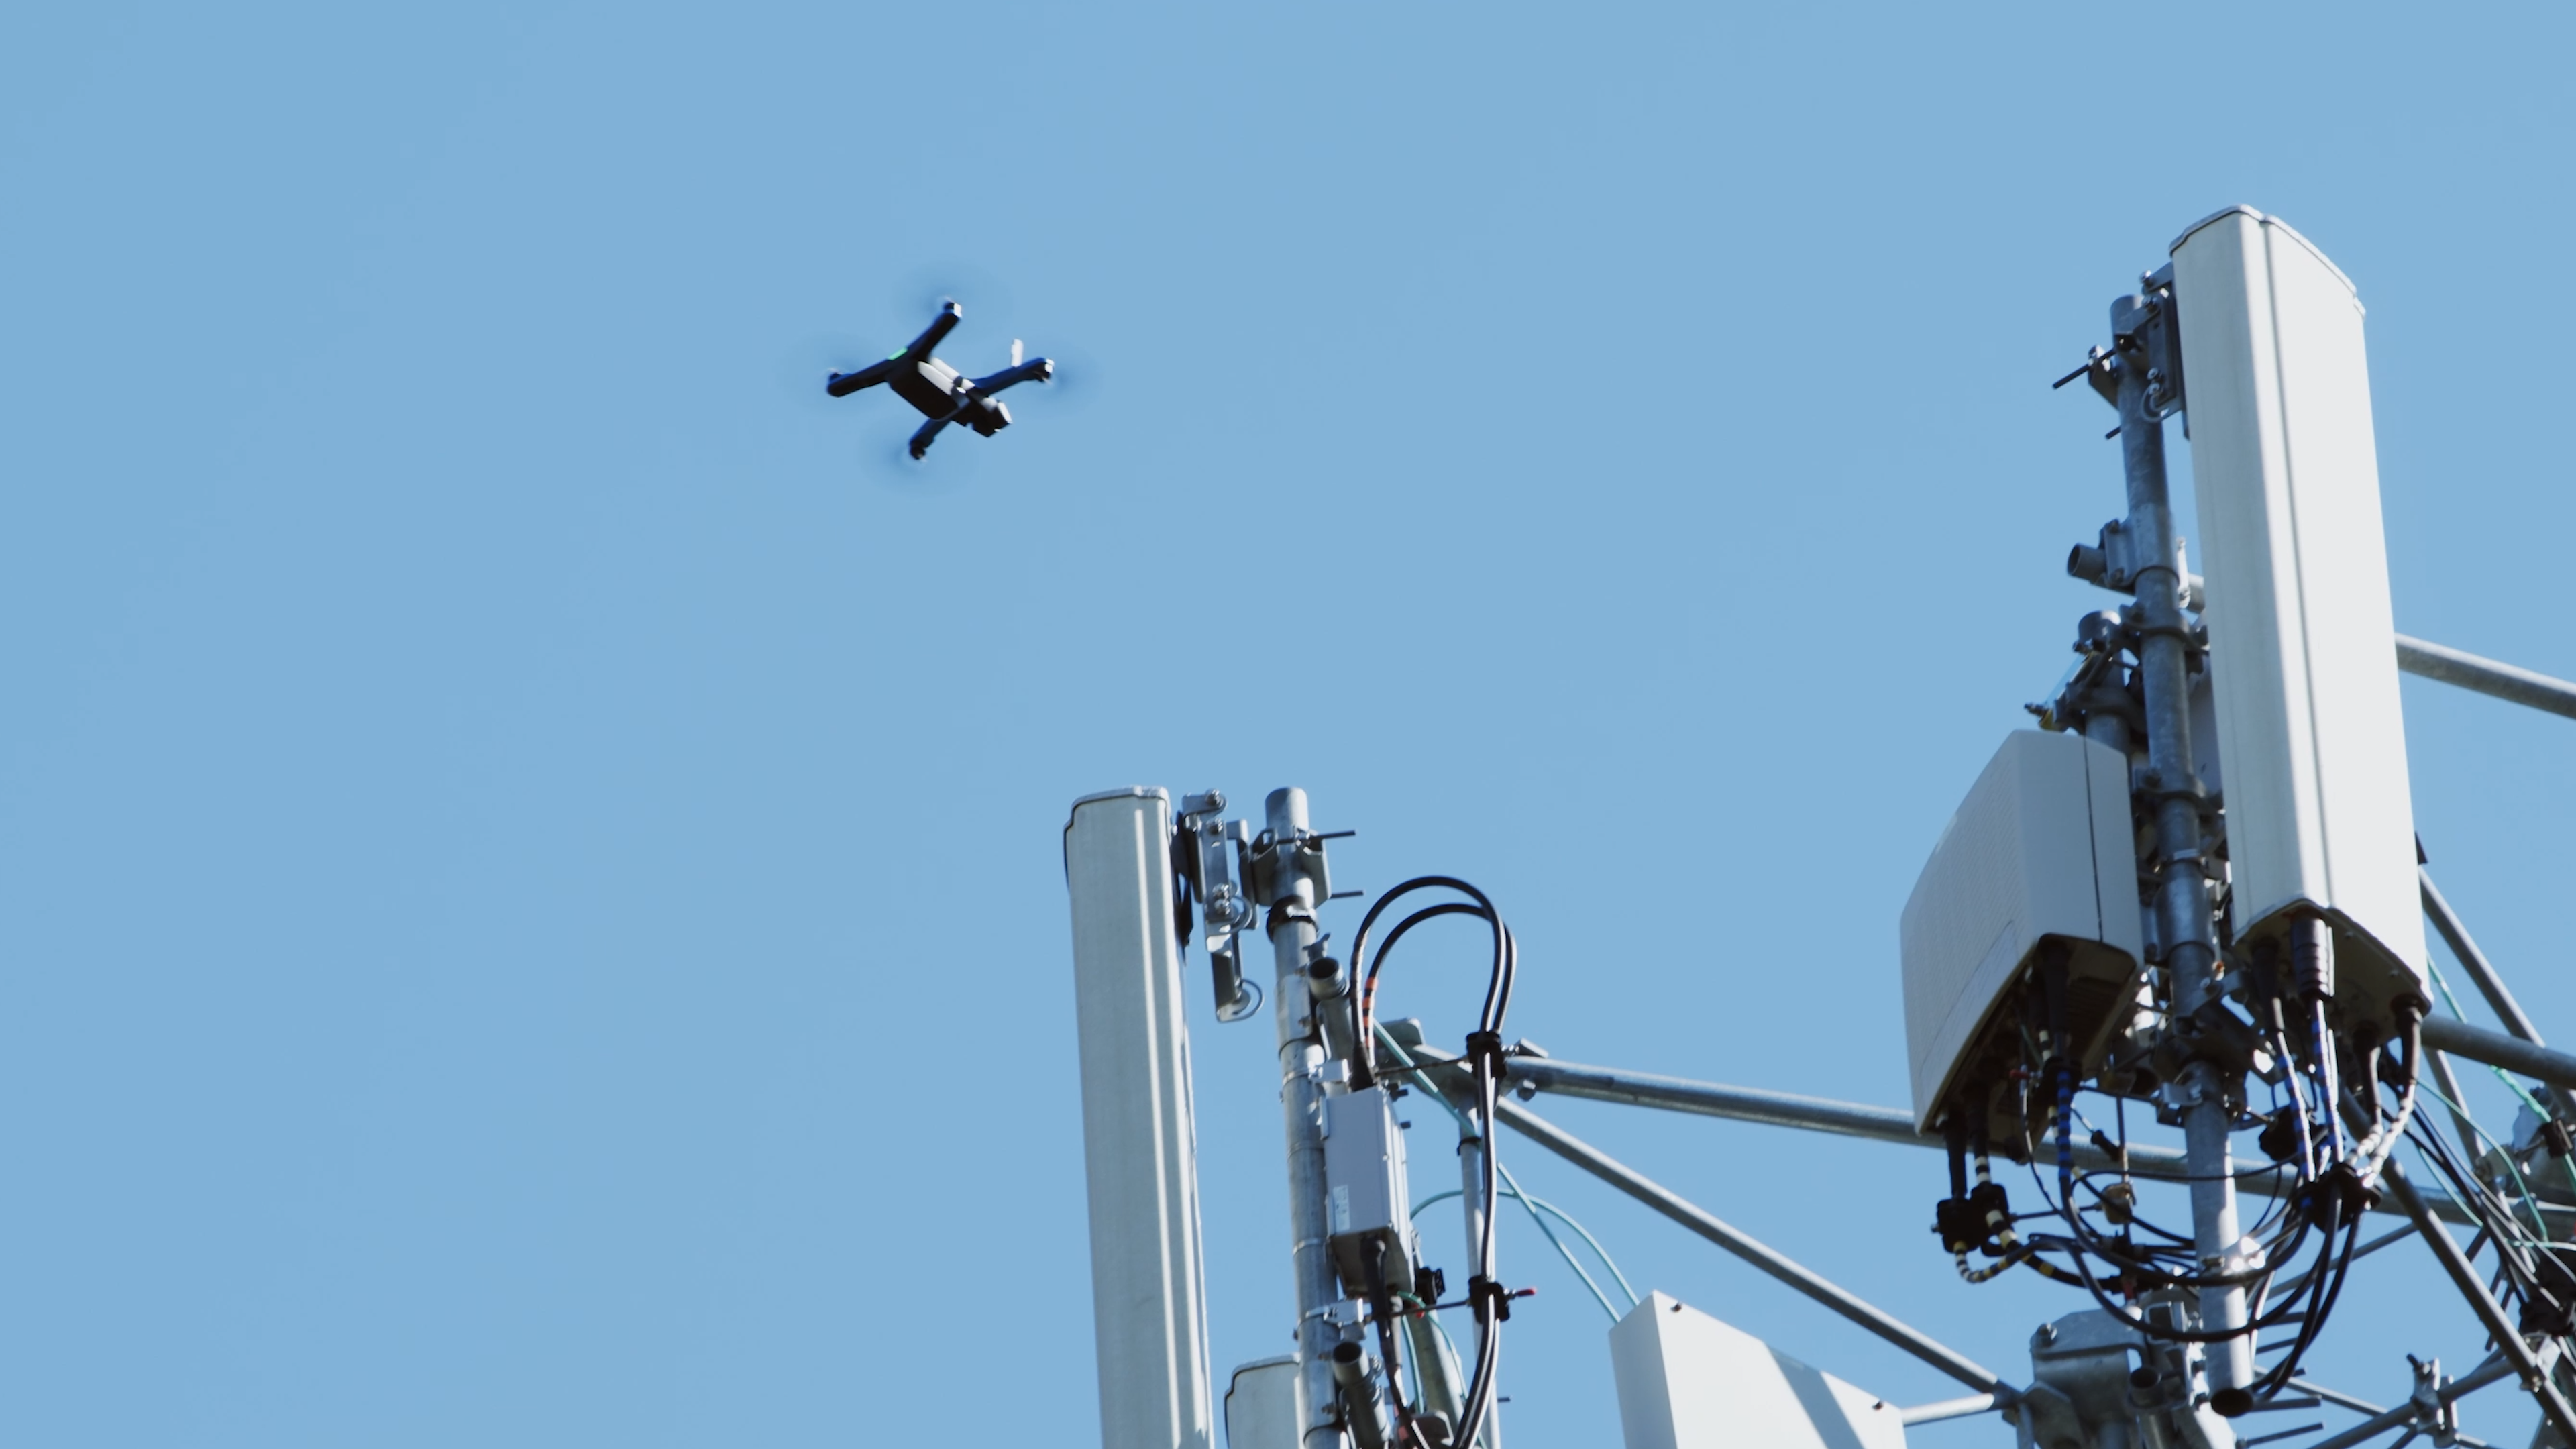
929, 431
939, 328
1040, 369
842, 384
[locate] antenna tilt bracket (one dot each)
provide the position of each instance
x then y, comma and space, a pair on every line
1220, 847
2146, 332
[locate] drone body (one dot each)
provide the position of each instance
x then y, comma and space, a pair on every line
942, 393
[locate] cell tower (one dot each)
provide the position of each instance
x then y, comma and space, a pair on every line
2191, 900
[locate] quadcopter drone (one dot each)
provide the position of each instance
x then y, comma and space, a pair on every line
942, 393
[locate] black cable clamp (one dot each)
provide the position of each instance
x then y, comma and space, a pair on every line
1487, 1047
1492, 1300
2190, 636
2341, 1185
2152, 785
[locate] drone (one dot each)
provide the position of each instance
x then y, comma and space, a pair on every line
942, 393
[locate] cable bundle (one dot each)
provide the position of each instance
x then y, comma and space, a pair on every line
1484, 1058
2334, 1172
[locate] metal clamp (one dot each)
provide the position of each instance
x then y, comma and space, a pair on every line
1275, 866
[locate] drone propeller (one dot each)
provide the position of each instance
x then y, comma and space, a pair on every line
1015, 352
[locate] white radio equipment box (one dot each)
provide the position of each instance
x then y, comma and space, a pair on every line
2042, 849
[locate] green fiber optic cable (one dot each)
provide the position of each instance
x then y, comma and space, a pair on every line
2543, 1113
1512, 1185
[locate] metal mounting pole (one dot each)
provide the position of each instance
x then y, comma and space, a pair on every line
2494, 1048
1301, 1100
1471, 1203
2182, 899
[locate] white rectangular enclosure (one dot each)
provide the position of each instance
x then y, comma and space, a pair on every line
2042, 848
2276, 388
1690, 1381
1139, 1133
1261, 1405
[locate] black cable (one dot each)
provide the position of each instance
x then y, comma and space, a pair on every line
2142, 1325
1362, 1001
1484, 1059
1481, 1286
2310, 1200
1382, 1308
1485, 1062
2496, 1220
1360, 956
2285, 1245
2495, 1217
2321, 1298
2279, 1231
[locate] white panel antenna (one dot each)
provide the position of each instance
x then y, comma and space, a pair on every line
1139, 1133
2277, 391
1690, 1381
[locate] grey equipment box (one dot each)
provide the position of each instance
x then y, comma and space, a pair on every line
1368, 1210
2043, 848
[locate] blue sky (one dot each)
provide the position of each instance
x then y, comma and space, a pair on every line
534, 912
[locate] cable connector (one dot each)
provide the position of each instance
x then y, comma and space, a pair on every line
1992, 1213
1960, 1224
2312, 958
2283, 1134
1487, 1047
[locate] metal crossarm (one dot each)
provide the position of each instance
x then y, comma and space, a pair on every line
2486, 676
